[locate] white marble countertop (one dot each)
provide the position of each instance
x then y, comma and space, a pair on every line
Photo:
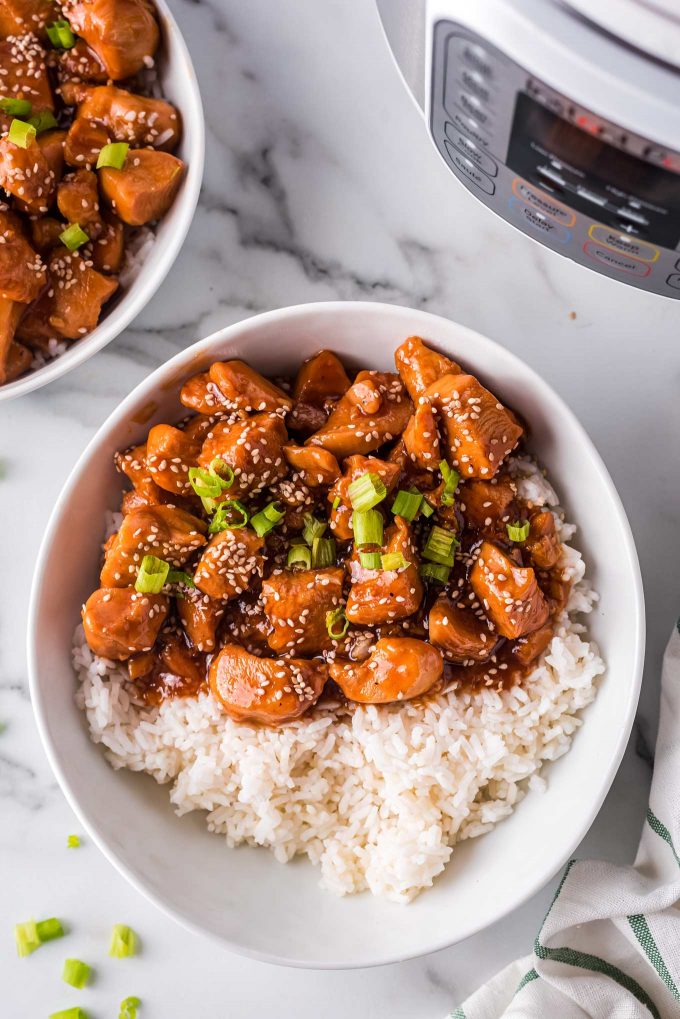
320, 183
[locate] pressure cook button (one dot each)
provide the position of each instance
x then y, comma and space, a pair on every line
544, 203
674, 280
469, 171
472, 106
474, 56
469, 149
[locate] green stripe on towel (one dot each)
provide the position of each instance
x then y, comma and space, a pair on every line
642, 932
662, 831
526, 979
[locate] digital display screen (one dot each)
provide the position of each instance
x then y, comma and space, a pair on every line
588, 161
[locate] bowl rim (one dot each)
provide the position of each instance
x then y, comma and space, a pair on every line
173, 367
182, 211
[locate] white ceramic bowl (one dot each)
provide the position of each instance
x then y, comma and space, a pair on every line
243, 898
180, 86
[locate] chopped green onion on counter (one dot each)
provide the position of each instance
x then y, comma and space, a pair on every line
76, 973
123, 941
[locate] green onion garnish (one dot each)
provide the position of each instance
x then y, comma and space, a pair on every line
205, 484
151, 575
313, 528
368, 527
75, 973
426, 509
337, 624
267, 519
128, 1008
451, 479
393, 561
407, 504
518, 532
323, 552
300, 555
221, 468
73, 237
60, 34
370, 560
432, 571
50, 929
336, 502
440, 546
16, 107
230, 514
113, 155
26, 938
366, 492
43, 121
123, 941
180, 577
20, 133
69, 1013
73, 841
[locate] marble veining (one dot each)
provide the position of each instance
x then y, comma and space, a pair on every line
320, 184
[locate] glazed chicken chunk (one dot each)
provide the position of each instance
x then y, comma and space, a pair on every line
120, 622
352, 429
228, 563
253, 448
509, 593
169, 533
296, 604
397, 669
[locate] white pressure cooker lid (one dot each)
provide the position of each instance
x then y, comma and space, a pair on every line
652, 26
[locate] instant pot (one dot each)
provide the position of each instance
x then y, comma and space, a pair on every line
562, 117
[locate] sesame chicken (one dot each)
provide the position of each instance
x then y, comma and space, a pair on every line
296, 604
461, 631
509, 593
350, 430
385, 596
164, 531
123, 33
22, 271
127, 117
397, 669
144, 188
169, 455
228, 564
71, 304
419, 366
268, 691
245, 390
119, 621
253, 448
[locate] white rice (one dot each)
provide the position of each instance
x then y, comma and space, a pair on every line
377, 796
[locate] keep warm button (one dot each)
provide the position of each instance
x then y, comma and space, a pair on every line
626, 245
468, 169
615, 260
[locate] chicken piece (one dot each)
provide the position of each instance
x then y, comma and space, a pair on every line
71, 306
18, 361
543, 545
84, 141
301, 598
509, 593
419, 366
22, 273
316, 466
246, 390
527, 649
246, 624
348, 430
228, 563
421, 437
320, 382
477, 430
140, 665
73, 93
27, 176
179, 670
198, 427
127, 117
78, 201
45, 233
163, 531
23, 71
265, 690
252, 448
200, 616
123, 33
144, 188
119, 621
367, 396
354, 467
10, 313
200, 394
21, 17
381, 596
51, 144
81, 64
487, 505
464, 635
397, 669
109, 248
132, 463
169, 455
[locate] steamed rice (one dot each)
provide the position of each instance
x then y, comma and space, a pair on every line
376, 796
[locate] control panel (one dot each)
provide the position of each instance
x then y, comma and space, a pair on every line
587, 188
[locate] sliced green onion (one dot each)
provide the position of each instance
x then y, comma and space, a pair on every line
220, 468
26, 938
151, 575
518, 532
73, 841
300, 555
393, 561
426, 509
451, 479
368, 527
205, 484
20, 133
433, 571
313, 528
16, 107
337, 624
128, 1008
73, 237
50, 929
229, 515
336, 502
267, 519
43, 121
440, 546
69, 1013
323, 552
113, 155
75, 973
407, 504
366, 492
370, 560
60, 35
123, 941
180, 577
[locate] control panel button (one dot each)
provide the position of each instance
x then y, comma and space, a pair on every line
619, 262
552, 175
544, 203
590, 196
633, 216
674, 280
621, 242
473, 107
472, 151
474, 56
538, 222
471, 127
475, 85
468, 169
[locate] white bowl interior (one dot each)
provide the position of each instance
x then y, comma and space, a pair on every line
180, 86
244, 897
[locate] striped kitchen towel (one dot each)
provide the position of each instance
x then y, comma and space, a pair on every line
609, 947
